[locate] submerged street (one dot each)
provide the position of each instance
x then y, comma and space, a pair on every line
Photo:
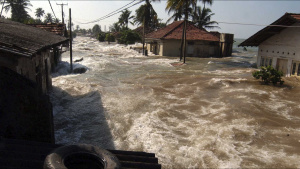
208, 113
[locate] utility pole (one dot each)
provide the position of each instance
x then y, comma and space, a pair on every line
71, 39
62, 12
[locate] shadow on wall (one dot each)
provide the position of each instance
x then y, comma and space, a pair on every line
24, 114
80, 119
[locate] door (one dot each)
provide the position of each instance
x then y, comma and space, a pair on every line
282, 65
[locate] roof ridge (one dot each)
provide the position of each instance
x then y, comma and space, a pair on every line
173, 28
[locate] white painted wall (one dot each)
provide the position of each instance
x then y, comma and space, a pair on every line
284, 45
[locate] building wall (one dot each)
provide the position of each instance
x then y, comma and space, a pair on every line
194, 48
282, 48
24, 113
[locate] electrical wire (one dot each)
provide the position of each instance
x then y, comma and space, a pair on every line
52, 9
283, 26
114, 12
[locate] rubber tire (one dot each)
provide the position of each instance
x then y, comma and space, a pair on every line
55, 160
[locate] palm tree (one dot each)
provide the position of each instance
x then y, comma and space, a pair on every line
39, 12
124, 18
18, 9
183, 6
115, 27
48, 18
202, 18
146, 15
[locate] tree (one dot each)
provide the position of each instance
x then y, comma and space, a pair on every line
18, 9
115, 27
124, 18
39, 12
146, 15
184, 6
129, 37
48, 18
96, 29
201, 18
109, 38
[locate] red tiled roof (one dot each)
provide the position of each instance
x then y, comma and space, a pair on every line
287, 19
58, 29
174, 31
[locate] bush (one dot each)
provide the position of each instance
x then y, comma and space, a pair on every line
101, 37
269, 74
129, 37
109, 38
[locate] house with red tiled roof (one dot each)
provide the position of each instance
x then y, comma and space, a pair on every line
278, 44
200, 43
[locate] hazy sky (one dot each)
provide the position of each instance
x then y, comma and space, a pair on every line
244, 11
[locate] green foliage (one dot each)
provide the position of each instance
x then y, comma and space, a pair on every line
129, 37
109, 38
101, 37
96, 29
18, 9
269, 74
146, 14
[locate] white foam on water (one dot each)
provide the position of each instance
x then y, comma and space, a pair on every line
186, 127
225, 81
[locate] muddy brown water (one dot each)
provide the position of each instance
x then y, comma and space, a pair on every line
209, 112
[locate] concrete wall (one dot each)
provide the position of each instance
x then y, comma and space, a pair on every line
283, 46
36, 68
25, 107
194, 48
24, 113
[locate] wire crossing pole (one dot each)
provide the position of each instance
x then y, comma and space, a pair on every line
62, 12
71, 39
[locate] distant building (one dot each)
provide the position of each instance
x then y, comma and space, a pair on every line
200, 43
27, 55
278, 44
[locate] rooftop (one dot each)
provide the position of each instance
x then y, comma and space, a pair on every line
56, 28
26, 40
287, 19
174, 31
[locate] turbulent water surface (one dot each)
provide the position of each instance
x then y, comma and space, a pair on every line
209, 112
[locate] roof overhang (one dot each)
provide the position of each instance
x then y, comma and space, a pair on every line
276, 27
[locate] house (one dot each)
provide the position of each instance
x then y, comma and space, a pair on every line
200, 43
29, 51
278, 44
27, 55
56, 28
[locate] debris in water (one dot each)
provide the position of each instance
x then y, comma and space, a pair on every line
79, 60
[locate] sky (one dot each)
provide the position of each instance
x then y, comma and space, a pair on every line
231, 11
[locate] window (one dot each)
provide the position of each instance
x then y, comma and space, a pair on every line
298, 73
294, 69
270, 62
266, 62
262, 61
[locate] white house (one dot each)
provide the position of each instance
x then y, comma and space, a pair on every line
279, 44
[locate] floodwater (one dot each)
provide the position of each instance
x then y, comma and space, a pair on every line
209, 112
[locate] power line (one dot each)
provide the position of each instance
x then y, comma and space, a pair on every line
52, 10
114, 12
235, 23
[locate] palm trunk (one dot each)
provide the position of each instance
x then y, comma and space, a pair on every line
184, 30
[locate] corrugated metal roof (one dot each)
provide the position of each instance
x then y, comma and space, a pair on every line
287, 19
26, 39
174, 31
